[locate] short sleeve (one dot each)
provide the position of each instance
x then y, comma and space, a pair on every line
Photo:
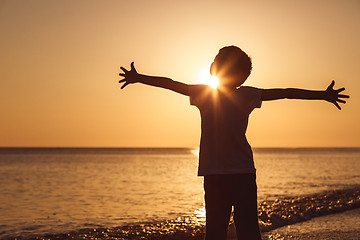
193, 96
196, 94
253, 96
257, 92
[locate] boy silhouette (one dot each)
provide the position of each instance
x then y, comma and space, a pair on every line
226, 158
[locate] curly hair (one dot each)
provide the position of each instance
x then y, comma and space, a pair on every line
231, 60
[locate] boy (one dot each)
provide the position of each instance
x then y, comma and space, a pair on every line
226, 159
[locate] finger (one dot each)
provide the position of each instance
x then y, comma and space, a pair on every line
340, 90
343, 96
122, 87
342, 101
122, 68
122, 74
332, 84
121, 81
337, 105
132, 66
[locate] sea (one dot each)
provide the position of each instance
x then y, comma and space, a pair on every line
58, 190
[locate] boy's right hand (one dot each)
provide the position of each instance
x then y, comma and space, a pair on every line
131, 76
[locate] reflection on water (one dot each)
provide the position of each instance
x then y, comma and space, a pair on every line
195, 152
61, 190
200, 213
294, 172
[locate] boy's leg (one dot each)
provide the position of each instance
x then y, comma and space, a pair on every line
245, 207
218, 207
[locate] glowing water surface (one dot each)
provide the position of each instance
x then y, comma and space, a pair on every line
58, 190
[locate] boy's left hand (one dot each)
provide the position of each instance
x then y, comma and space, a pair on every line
131, 76
333, 96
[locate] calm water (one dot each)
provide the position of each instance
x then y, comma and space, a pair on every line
58, 190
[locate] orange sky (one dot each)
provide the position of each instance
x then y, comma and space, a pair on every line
60, 59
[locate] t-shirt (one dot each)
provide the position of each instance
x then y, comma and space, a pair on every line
224, 148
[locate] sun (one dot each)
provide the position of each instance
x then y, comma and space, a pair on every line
204, 77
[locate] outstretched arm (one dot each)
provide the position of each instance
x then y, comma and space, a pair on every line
330, 94
133, 76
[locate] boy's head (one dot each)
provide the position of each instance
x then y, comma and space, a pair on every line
232, 66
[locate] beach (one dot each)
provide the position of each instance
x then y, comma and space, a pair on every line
338, 226
329, 215
155, 193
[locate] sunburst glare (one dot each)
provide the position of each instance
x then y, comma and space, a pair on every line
204, 77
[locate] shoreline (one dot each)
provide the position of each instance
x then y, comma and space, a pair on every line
272, 215
339, 226
318, 230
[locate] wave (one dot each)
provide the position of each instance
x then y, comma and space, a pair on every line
272, 214
281, 212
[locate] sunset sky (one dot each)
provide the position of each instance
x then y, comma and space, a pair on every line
59, 65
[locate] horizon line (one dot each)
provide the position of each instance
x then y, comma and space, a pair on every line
159, 147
